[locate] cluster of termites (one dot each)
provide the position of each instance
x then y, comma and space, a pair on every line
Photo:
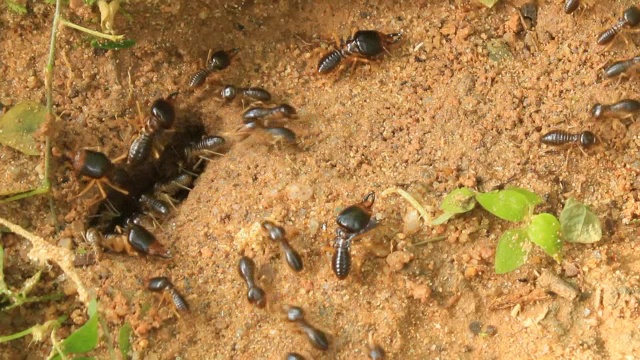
256, 117
164, 159
163, 162
353, 222
267, 119
621, 109
144, 187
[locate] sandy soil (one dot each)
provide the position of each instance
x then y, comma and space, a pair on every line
433, 115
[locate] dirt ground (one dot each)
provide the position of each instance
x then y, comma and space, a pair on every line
434, 114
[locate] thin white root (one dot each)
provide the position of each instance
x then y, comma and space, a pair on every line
42, 252
421, 210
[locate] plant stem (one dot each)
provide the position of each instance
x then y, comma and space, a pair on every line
42, 252
411, 200
52, 57
16, 335
48, 83
433, 239
92, 32
21, 301
30, 330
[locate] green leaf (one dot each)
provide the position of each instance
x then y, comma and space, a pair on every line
85, 338
456, 202
18, 125
512, 250
113, 45
579, 224
544, 231
16, 7
533, 198
124, 340
509, 205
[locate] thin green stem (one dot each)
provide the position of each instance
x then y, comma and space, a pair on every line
25, 300
92, 32
52, 58
427, 241
17, 335
36, 330
43, 189
56, 347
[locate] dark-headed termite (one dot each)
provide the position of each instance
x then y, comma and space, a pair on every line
620, 67
220, 60
277, 234
136, 240
353, 222
316, 337
630, 17
357, 218
258, 113
255, 295
362, 46
623, 108
559, 137
163, 116
98, 167
163, 283
230, 92
206, 145
145, 242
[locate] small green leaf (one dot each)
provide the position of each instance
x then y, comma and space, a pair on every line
512, 250
113, 45
18, 125
533, 198
579, 224
509, 205
544, 231
456, 202
85, 338
124, 340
